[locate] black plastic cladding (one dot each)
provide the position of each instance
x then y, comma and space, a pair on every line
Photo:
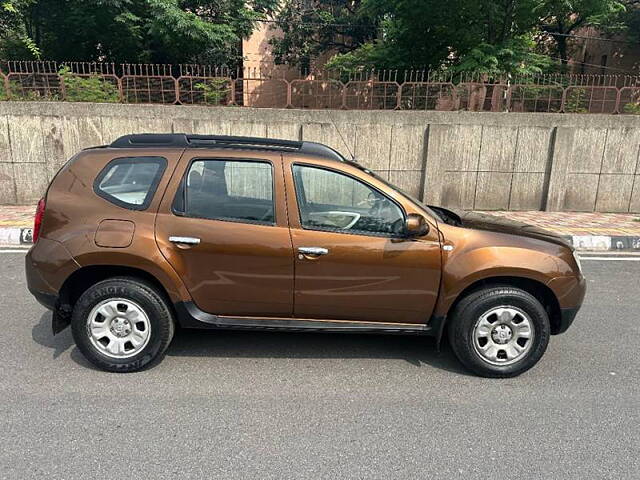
183, 140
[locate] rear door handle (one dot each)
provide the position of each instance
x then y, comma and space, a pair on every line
185, 240
313, 251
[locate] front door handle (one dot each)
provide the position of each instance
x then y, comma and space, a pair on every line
315, 251
185, 240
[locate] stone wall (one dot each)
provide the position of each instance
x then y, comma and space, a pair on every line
482, 161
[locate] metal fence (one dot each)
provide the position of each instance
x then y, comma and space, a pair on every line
366, 90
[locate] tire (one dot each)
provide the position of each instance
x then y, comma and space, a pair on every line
122, 324
488, 331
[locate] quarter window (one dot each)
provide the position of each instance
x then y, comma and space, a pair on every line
232, 190
329, 200
130, 182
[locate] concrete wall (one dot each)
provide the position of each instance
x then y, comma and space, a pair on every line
483, 161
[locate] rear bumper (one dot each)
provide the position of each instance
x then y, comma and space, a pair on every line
47, 300
47, 265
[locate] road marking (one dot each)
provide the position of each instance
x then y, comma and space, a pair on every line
595, 253
613, 259
14, 250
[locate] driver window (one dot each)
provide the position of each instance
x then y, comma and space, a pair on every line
329, 200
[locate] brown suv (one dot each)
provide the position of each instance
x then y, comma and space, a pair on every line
155, 231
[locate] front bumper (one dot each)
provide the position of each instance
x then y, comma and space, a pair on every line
567, 315
570, 292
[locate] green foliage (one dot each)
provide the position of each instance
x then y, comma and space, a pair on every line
154, 31
11, 33
3, 90
31, 46
632, 108
19, 92
576, 101
88, 89
563, 17
215, 91
492, 36
515, 56
364, 58
336, 26
463, 35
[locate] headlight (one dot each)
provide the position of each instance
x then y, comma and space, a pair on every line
577, 259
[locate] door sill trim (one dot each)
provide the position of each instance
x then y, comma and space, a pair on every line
190, 316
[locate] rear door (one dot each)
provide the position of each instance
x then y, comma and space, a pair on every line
223, 227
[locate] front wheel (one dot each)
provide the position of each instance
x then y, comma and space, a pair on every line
499, 331
122, 324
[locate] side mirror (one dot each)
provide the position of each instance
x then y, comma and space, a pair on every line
415, 225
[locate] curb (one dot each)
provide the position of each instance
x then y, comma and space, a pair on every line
16, 236
23, 236
604, 243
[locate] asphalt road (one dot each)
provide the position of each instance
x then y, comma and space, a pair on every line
264, 405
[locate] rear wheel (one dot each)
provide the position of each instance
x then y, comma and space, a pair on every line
499, 331
122, 324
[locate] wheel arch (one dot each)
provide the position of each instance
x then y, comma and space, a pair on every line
534, 287
84, 277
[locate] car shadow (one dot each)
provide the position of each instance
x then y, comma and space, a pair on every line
415, 350
43, 335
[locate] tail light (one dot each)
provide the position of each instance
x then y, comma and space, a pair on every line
37, 221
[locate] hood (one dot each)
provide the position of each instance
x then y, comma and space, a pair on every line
491, 223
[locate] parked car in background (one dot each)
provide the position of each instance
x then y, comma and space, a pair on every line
157, 231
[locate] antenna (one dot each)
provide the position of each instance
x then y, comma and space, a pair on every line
346, 145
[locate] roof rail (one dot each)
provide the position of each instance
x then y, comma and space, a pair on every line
146, 140
183, 140
226, 140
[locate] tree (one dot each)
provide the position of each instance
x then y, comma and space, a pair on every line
400, 34
561, 18
489, 35
155, 31
336, 26
12, 35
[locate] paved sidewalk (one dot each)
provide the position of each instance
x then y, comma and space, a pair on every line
577, 223
587, 231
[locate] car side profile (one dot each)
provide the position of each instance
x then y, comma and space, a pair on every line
158, 231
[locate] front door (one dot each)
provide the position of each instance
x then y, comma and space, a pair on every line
224, 230
351, 260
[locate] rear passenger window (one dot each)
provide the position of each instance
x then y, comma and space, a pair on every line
232, 190
130, 182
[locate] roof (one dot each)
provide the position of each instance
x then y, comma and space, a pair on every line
183, 140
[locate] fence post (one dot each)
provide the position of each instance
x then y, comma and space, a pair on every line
120, 90
63, 87
232, 91
564, 99
176, 87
